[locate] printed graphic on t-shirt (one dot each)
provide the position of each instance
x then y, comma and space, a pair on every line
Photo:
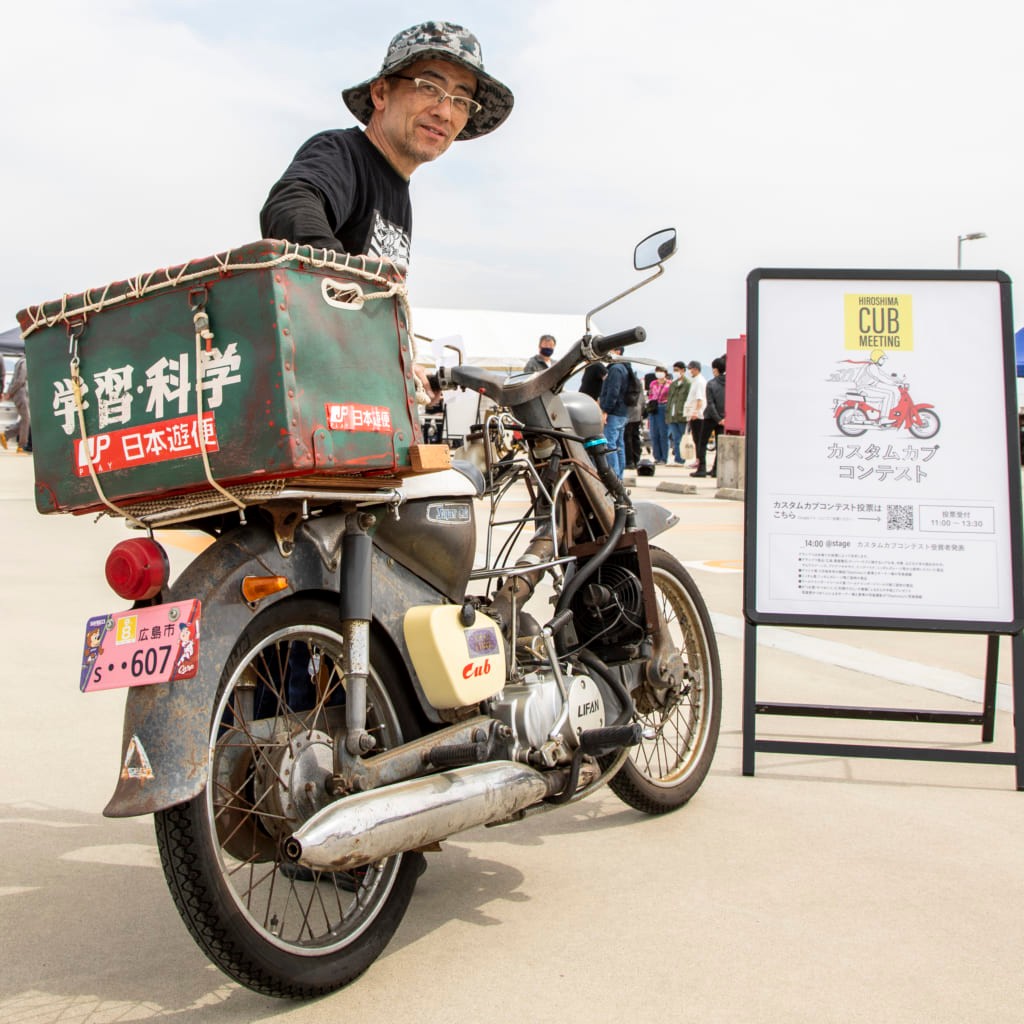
389, 241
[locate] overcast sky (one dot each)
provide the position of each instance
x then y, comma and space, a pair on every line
800, 133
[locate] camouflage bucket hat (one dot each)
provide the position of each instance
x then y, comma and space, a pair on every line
445, 41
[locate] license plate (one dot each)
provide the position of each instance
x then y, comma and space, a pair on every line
141, 646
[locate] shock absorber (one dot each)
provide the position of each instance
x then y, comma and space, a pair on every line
355, 607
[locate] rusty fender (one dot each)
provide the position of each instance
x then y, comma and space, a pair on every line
165, 742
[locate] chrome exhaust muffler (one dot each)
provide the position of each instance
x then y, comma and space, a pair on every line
368, 827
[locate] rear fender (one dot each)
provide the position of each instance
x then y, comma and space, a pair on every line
165, 741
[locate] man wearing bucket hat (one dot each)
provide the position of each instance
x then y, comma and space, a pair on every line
347, 189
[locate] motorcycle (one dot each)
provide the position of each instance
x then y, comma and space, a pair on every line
854, 415
366, 690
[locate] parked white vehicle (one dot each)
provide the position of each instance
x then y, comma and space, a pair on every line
8, 414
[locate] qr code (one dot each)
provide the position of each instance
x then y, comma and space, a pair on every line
899, 517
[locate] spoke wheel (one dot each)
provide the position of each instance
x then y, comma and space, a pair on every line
663, 773
852, 422
277, 928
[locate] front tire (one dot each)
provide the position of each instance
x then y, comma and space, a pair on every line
276, 930
928, 425
662, 774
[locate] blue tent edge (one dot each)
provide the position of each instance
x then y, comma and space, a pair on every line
10, 341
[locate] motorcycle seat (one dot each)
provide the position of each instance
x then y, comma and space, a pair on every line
462, 480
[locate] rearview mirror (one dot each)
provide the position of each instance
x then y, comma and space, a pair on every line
651, 252
655, 249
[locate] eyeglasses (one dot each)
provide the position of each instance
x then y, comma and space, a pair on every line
436, 95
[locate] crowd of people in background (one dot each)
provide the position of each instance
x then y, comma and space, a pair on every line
686, 403
671, 405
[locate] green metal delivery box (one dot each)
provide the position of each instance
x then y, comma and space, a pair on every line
268, 361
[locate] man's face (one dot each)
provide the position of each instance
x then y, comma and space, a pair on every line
406, 126
692, 371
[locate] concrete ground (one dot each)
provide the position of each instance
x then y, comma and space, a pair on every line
822, 889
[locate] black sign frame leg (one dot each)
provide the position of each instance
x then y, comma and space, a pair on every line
986, 718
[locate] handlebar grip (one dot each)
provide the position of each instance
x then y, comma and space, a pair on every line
602, 346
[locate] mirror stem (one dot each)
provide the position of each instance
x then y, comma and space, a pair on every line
622, 295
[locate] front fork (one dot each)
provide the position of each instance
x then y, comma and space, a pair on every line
355, 608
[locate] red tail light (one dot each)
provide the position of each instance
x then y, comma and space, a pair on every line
137, 569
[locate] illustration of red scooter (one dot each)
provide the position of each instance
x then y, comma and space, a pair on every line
854, 415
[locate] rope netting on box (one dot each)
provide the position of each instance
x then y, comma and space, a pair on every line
73, 311
71, 308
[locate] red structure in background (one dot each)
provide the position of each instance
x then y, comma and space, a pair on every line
736, 385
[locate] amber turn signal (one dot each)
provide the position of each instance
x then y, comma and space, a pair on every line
255, 588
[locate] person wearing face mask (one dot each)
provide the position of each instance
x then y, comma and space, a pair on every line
696, 403
614, 402
714, 413
542, 359
675, 417
657, 400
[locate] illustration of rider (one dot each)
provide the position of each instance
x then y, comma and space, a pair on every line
880, 389
878, 400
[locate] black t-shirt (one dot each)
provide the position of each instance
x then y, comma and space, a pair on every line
341, 193
593, 378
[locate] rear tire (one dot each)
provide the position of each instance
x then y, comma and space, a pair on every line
279, 707
662, 774
851, 422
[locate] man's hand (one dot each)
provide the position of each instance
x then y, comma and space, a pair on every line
429, 394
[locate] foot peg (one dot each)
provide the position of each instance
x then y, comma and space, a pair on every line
455, 755
482, 747
599, 741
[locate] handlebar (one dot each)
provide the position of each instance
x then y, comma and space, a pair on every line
610, 342
519, 392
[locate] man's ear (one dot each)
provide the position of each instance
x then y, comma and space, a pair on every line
378, 92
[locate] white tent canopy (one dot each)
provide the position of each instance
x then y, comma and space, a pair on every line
492, 338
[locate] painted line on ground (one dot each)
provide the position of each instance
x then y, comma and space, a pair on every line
135, 855
869, 663
717, 565
40, 821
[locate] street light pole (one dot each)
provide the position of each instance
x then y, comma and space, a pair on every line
960, 239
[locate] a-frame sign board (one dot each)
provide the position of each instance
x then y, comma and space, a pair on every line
883, 478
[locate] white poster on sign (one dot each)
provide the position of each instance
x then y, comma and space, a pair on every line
880, 451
